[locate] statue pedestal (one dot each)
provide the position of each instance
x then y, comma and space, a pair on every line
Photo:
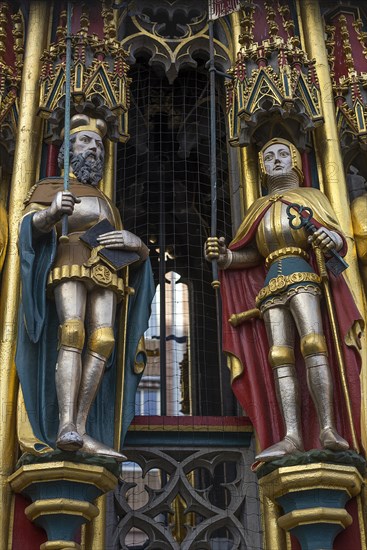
313, 497
62, 494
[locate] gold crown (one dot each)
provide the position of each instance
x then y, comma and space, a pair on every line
79, 123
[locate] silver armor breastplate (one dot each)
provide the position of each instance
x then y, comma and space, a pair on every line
87, 213
275, 233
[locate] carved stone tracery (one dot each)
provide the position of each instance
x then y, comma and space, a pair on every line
188, 475
99, 81
11, 64
173, 34
272, 76
347, 51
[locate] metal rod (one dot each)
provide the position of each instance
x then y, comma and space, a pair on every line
220, 73
320, 259
213, 139
162, 289
120, 373
162, 302
213, 151
65, 220
213, 182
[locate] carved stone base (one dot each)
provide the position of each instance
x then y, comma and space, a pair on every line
313, 498
60, 545
62, 494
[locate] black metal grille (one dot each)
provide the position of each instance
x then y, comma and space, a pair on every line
163, 193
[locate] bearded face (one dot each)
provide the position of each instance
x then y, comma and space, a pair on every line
86, 157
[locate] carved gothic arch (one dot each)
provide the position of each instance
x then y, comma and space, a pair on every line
173, 36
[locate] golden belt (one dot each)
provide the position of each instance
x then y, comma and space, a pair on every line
287, 251
100, 274
282, 282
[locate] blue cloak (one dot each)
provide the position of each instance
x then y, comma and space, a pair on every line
36, 353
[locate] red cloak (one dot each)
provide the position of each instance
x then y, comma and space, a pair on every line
254, 387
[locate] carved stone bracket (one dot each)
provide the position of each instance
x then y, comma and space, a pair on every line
62, 494
313, 500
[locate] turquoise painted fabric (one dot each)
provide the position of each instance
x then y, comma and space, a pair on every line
36, 353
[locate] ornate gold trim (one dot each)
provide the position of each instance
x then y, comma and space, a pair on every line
315, 515
275, 537
235, 366
94, 533
279, 284
11, 523
287, 251
139, 366
51, 471
60, 545
26, 438
53, 506
99, 274
312, 476
362, 36
197, 427
99, 69
283, 299
361, 520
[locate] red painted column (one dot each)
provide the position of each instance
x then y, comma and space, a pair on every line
51, 164
306, 170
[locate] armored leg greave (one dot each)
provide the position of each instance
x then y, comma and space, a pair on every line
99, 348
286, 384
93, 369
68, 372
321, 389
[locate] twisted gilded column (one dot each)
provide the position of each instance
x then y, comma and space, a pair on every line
24, 175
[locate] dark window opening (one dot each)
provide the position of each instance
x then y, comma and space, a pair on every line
163, 193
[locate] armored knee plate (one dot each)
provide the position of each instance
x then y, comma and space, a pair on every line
313, 344
101, 341
72, 334
280, 356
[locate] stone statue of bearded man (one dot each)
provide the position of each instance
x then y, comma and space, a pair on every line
85, 292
